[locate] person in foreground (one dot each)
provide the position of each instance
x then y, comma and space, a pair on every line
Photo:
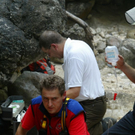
46, 112
126, 125
81, 74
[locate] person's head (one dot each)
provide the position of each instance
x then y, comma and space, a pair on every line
51, 43
53, 93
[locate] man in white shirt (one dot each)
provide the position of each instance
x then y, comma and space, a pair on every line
81, 74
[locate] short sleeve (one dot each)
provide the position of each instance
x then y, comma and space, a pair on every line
78, 126
28, 119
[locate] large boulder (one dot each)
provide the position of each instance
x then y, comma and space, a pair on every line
21, 23
127, 50
27, 85
84, 6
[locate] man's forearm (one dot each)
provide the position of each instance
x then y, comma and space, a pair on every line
20, 130
73, 92
129, 72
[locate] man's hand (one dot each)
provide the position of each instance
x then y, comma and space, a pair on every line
125, 68
120, 63
20, 130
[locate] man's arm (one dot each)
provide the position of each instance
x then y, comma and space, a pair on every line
75, 77
124, 67
73, 92
20, 130
78, 126
26, 123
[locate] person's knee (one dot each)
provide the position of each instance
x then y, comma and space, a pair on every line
108, 122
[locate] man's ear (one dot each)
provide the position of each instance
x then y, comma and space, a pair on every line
55, 46
64, 95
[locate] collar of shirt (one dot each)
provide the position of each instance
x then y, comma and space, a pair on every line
66, 47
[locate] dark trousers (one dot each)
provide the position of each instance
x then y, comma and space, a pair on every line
125, 126
95, 110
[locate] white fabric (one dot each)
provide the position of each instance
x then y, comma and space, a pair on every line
81, 69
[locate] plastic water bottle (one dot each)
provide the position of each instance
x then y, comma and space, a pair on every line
112, 54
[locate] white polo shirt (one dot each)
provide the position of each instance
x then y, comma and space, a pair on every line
81, 70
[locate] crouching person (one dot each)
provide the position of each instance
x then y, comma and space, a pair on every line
52, 113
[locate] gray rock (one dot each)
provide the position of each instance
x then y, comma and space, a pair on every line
101, 61
131, 33
27, 85
113, 41
84, 6
101, 46
3, 95
21, 23
127, 50
76, 32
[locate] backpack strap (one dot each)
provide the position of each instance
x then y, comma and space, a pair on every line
44, 118
32, 110
63, 117
48, 69
44, 122
48, 61
63, 114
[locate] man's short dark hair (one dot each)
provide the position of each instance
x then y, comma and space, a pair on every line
49, 37
52, 82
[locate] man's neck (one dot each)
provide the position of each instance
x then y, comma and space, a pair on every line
62, 47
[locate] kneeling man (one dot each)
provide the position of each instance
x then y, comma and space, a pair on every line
52, 113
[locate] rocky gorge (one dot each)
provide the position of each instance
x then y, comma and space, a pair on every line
21, 23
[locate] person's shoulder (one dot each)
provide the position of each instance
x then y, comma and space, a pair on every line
78, 47
74, 106
36, 100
